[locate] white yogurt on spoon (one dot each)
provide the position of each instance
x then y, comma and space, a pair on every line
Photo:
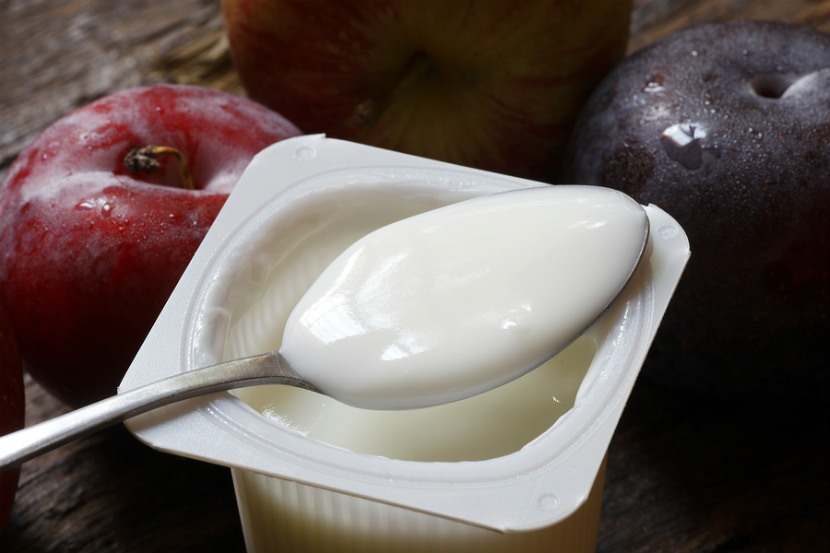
459, 300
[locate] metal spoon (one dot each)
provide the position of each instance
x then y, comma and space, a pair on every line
266, 368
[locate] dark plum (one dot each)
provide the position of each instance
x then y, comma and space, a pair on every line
727, 127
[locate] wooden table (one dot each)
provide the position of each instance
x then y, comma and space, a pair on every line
685, 474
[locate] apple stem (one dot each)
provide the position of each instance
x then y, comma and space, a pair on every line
369, 111
145, 159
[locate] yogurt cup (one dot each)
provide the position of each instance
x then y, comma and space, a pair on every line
521, 466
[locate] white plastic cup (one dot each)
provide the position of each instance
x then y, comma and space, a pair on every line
281, 515
539, 488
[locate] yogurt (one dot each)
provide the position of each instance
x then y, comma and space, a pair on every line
486, 426
459, 300
531, 451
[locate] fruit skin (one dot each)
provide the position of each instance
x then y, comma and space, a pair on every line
12, 406
89, 253
492, 85
752, 191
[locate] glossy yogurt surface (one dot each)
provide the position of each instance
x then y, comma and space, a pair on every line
458, 300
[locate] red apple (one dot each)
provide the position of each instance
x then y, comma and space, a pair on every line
11, 408
90, 252
493, 85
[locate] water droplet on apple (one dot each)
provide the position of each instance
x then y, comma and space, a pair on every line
654, 84
86, 204
653, 87
681, 142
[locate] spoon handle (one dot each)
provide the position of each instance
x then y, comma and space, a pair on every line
266, 368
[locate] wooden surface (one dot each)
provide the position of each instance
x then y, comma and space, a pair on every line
685, 474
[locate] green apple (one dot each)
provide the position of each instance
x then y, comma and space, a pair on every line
494, 85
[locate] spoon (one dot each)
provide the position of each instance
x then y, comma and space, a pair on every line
265, 368
305, 350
